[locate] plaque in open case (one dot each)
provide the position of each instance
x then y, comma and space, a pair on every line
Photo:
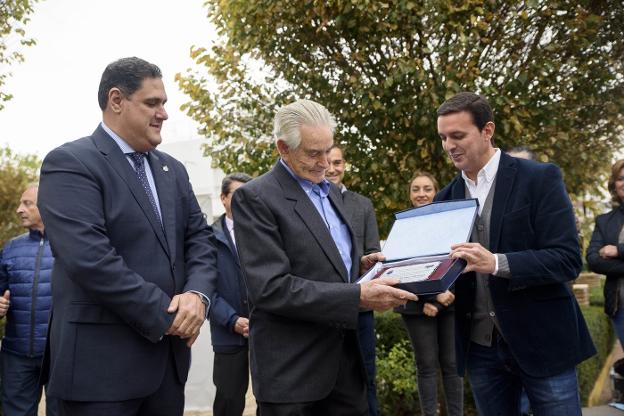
419, 242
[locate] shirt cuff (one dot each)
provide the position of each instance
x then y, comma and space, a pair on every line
502, 266
205, 300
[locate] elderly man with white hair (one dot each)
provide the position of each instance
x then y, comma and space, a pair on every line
300, 261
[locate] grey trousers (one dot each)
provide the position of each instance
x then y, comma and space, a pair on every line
433, 340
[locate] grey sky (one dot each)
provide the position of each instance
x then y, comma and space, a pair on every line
55, 90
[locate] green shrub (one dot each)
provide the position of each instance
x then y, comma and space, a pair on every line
596, 296
602, 333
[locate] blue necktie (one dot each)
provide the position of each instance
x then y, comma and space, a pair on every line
139, 159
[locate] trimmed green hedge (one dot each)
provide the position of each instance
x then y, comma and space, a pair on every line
603, 336
396, 374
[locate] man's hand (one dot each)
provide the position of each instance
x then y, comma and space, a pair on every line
190, 315
242, 326
479, 259
369, 260
609, 252
379, 295
445, 298
430, 310
5, 302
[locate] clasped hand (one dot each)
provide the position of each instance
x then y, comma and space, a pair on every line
190, 313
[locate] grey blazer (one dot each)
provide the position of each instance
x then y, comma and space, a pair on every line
302, 307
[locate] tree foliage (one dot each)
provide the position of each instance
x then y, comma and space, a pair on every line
16, 172
13, 18
552, 70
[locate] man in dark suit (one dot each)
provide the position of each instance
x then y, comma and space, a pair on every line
518, 323
361, 216
229, 320
134, 263
299, 256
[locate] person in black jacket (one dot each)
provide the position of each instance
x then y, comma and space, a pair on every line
229, 322
605, 254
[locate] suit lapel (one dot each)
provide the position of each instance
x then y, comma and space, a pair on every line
113, 154
338, 202
164, 178
505, 178
310, 217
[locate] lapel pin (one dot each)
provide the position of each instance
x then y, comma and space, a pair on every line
166, 168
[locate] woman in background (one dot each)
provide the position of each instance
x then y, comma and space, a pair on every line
605, 254
430, 323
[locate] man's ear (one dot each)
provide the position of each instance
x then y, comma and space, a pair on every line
488, 130
115, 99
282, 147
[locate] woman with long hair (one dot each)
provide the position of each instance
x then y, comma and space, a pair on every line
430, 323
605, 254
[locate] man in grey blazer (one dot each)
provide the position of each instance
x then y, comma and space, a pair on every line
300, 259
361, 216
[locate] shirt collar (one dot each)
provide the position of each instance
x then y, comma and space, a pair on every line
123, 145
229, 223
487, 172
306, 184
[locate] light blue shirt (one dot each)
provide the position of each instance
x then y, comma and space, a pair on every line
318, 194
125, 148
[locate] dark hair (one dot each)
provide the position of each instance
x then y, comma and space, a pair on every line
233, 177
339, 147
127, 74
426, 174
520, 149
476, 105
615, 173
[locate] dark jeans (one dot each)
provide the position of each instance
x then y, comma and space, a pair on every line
433, 340
231, 378
167, 400
21, 391
497, 382
366, 334
618, 324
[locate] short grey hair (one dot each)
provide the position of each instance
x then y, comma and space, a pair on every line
289, 119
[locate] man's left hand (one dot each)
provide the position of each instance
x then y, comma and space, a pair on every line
609, 252
369, 260
190, 315
479, 259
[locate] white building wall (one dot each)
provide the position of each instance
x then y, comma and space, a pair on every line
206, 181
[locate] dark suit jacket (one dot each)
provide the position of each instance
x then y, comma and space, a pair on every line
302, 308
229, 301
607, 232
532, 222
361, 215
116, 270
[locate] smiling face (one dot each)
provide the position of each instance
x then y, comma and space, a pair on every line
138, 118
335, 172
309, 159
422, 191
468, 148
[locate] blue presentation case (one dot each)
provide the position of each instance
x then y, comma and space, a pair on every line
425, 234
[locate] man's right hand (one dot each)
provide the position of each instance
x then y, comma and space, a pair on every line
242, 326
379, 295
5, 302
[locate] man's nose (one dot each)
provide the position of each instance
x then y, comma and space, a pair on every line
162, 114
324, 162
